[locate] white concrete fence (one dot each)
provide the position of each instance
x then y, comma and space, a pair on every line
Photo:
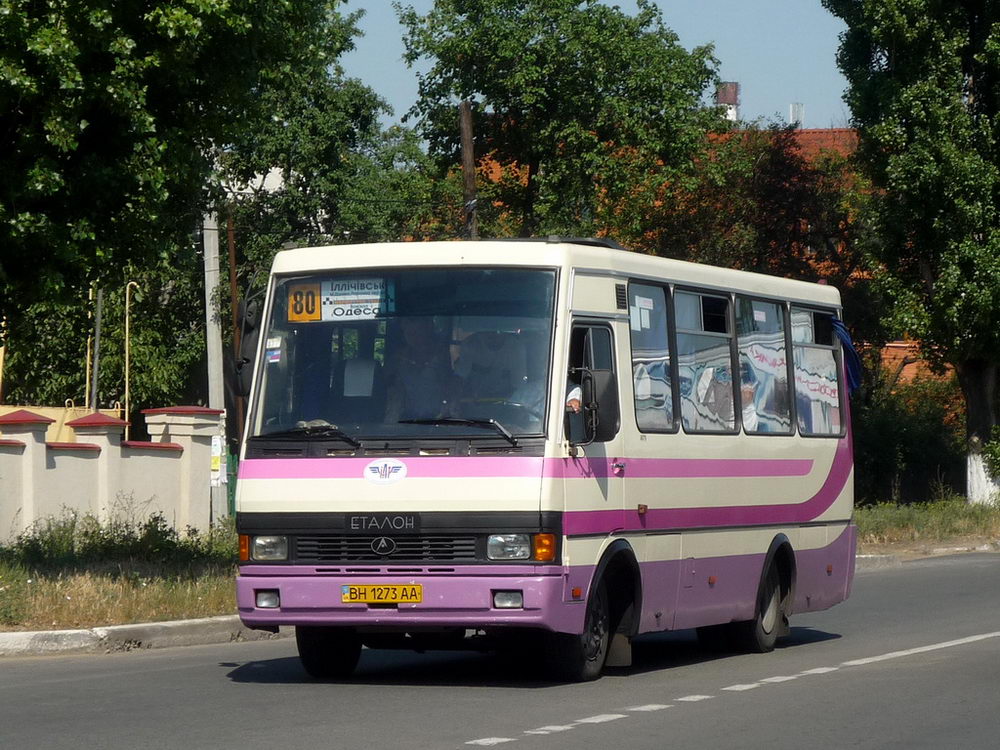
103, 475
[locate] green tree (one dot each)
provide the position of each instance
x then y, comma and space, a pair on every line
924, 90
570, 95
111, 117
47, 354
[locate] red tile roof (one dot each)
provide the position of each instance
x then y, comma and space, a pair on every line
815, 141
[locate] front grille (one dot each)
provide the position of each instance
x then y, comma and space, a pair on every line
332, 548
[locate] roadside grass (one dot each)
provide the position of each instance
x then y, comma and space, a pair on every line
949, 518
74, 572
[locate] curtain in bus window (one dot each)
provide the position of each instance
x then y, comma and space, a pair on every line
764, 394
704, 363
654, 410
817, 387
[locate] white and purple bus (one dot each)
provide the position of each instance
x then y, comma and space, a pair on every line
550, 444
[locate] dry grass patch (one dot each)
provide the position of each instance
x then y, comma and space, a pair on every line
940, 521
85, 599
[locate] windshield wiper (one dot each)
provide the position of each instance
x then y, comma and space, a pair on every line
487, 423
310, 430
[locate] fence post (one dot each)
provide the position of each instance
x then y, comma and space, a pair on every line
105, 432
29, 429
191, 427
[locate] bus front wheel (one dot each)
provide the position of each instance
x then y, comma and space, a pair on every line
580, 658
327, 652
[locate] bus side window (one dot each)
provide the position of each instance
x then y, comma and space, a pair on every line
705, 365
651, 362
764, 395
817, 373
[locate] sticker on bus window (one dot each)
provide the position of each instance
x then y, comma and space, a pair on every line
272, 349
355, 299
635, 322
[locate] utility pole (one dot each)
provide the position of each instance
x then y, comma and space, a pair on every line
213, 340
468, 170
233, 303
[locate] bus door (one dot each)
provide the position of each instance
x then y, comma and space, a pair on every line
594, 491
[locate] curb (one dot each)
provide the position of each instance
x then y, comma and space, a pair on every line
876, 562
115, 638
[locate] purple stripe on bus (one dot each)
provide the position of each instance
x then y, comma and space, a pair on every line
677, 468
607, 521
417, 467
426, 467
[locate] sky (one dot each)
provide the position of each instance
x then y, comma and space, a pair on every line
779, 51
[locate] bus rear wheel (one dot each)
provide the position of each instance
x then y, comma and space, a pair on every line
326, 652
580, 658
759, 635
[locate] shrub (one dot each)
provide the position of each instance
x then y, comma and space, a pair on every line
75, 540
909, 439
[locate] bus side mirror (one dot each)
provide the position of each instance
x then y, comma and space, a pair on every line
599, 414
601, 405
248, 319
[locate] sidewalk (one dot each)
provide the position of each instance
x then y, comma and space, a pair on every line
226, 629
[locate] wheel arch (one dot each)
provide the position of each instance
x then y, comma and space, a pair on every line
619, 569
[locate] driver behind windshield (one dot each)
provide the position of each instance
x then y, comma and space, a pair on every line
421, 383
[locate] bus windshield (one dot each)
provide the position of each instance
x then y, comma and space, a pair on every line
407, 353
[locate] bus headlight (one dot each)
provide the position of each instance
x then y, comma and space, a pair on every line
508, 547
269, 548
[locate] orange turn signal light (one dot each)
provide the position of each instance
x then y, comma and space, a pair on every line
544, 547
244, 548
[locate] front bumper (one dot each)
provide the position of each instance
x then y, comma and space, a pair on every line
459, 597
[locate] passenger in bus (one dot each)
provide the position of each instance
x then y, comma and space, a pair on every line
715, 393
492, 365
420, 378
748, 398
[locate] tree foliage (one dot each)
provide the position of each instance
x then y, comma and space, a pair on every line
563, 90
924, 91
47, 354
112, 115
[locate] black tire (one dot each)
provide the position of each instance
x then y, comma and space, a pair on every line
758, 636
327, 653
580, 658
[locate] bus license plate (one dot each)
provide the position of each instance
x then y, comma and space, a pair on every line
368, 593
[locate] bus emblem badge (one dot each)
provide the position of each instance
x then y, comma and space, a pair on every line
385, 471
383, 546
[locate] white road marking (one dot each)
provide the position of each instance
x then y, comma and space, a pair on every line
601, 718
490, 741
920, 649
552, 729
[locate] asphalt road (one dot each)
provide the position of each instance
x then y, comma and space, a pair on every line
911, 661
